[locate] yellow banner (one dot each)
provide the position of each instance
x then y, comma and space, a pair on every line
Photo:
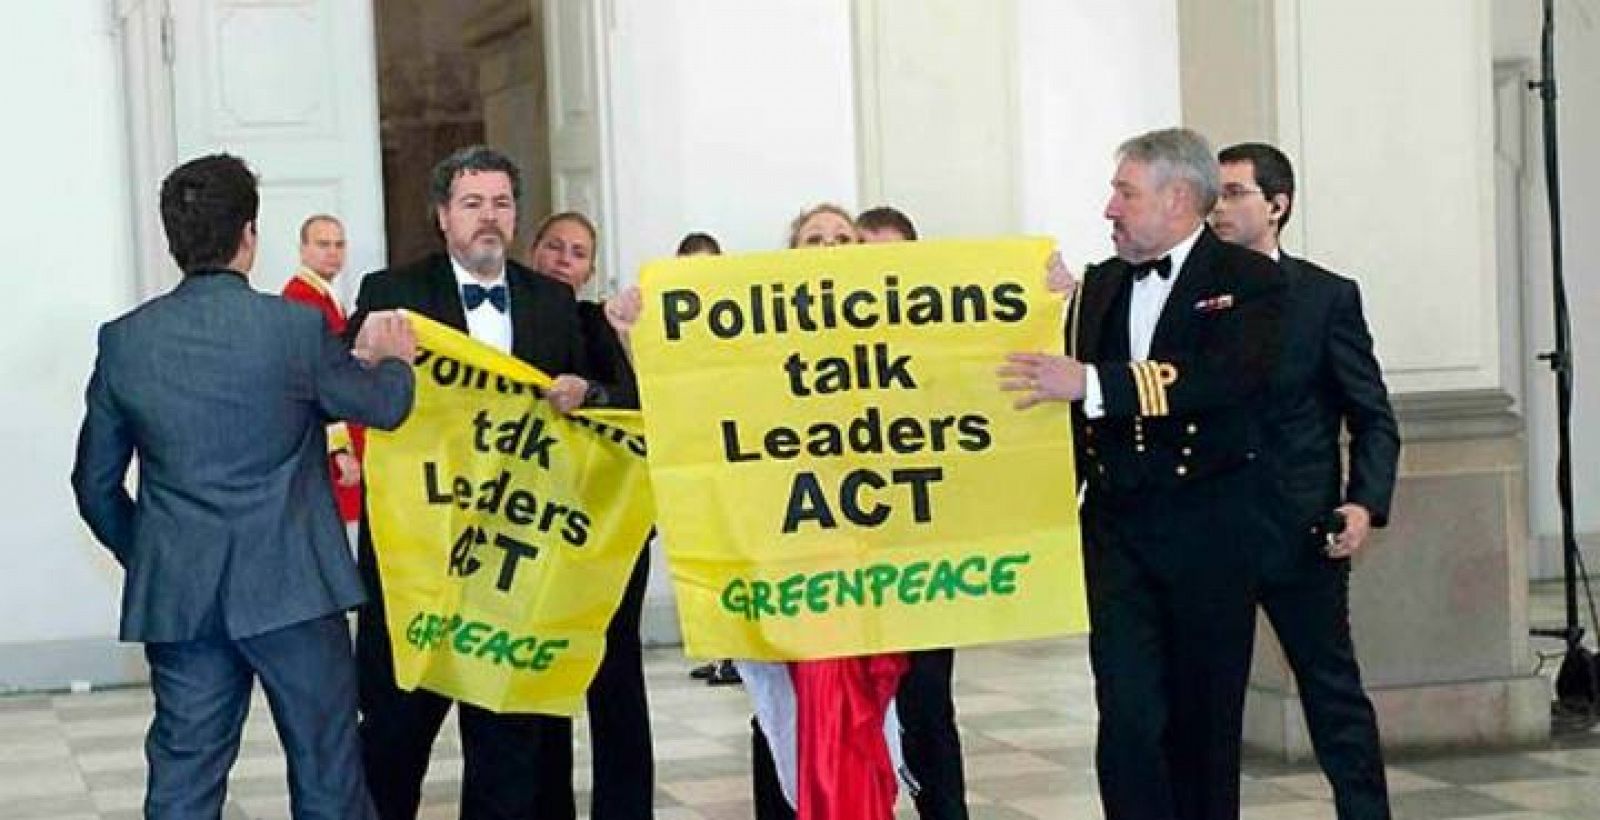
505, 532
836, 470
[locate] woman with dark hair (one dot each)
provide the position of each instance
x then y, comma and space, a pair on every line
885, 224
718, 672
619, 713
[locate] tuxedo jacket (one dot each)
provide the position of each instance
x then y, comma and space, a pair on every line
606, 359
544, 332
1328, 378
1192, 409
544, 314
223, 394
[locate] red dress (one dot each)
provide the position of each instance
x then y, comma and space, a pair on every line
844, 770
308, 288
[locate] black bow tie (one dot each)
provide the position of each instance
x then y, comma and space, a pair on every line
1161, 267
474, 295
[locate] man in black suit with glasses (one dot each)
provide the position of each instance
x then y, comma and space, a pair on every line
1328, 380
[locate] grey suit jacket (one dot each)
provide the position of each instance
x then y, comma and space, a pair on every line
223, 393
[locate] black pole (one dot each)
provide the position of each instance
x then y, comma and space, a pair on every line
1560, 359
1578, 668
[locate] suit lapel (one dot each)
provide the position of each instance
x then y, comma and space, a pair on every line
444, 296
1195, 281
1307, 316
1290, 267
1102, 284
529, 342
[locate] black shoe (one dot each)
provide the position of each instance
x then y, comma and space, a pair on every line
704, 671
725, 674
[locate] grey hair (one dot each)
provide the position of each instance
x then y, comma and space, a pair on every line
1180, 154
471, 159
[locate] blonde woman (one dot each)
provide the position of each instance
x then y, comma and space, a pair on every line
839, 777
563, 249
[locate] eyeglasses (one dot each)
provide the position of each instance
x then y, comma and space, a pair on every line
1233, 192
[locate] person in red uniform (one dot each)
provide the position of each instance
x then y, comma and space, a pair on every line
321, 260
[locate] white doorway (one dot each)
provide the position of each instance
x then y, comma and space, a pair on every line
288, 86
526, 77
302, 91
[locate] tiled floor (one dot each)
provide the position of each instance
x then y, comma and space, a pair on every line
1027, 724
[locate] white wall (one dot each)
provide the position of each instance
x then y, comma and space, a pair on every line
729, 116
1516, 37
737, 138
937, 113
1230, 69
1397, 176
1082, 95
67, 238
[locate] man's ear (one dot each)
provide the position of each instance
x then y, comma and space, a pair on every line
1280, 204
1179, 198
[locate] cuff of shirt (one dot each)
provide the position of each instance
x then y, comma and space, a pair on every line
1094, 403
338, 437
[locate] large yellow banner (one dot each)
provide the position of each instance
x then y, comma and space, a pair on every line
836, 470
505, 532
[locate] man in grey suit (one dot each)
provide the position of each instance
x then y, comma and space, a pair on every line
236, 564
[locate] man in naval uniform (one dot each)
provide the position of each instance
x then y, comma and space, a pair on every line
1170, 346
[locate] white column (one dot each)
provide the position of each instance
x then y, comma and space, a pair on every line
1092, 73
937, 100
69, 249
1396, 170
728, 117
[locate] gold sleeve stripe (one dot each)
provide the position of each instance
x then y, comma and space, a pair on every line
1159, 388
1158, 404
1141, 381
1158, 392
1164, 375
1152, 387
1138, 384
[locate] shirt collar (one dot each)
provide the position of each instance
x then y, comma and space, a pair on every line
1180, 251
465, 277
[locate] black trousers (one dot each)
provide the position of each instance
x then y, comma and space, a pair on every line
1171, 577
767, 792
499, 751
623, 767
1307, 599
929, 738
515, 767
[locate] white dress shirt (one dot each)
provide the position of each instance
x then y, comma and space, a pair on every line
1145, 303
484, 323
